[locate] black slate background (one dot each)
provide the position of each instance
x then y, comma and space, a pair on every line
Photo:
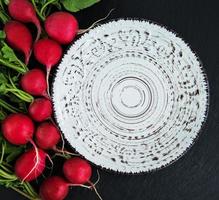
195, 176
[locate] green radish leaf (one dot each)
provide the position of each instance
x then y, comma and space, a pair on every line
20, 103
6, 2
9, 54
13, 155
2, 116
11, 148
12, 151
3, 16
3, 69
76, 5
22, 106
3, 78
3, 88
2, 35
9, 59
57, 5
14, 98
15, 79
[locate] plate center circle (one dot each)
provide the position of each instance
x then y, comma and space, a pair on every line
130, 97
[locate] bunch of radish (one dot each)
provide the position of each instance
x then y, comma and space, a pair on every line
18, 128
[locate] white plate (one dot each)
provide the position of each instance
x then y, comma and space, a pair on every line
130, 96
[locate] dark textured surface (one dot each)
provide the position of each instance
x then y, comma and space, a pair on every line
196, 175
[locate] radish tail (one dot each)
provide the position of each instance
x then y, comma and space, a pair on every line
95, 189
98, 178
47, 80
36, 21
64, 151
27, 57
45, 94
81, 31
63, 141
50, 160
52, 164
36, 162
80, 185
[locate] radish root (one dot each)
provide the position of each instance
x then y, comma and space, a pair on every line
50, 160
37, 24
64, 151
98, 178
80, 185
36, 160
27, 58
52, 164
47, 81
93, 185
95, 189
81, 31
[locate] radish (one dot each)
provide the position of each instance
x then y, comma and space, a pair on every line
62, 27
34, 82
18, 129
30, 164
78, 171
19, 37
48, 53
54, 188
23, 10
40, 109
47, 136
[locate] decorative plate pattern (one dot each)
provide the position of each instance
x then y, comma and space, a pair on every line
130, 96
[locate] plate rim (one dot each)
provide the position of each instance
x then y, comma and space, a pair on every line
201, 66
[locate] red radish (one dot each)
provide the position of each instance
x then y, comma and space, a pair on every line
18, 128
23, 10
40, 109
34, 82
77, 170
54, 188
47, 136
19, 37
62, 27
30, 164
48, 53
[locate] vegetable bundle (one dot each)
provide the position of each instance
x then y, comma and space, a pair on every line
29, 137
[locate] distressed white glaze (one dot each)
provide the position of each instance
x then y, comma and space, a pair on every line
130, 96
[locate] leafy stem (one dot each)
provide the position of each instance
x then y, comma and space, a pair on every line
4, 18
20, 94
8, 107
23, 193
44, 7
18, 69
37, 11
8, 58
2, 153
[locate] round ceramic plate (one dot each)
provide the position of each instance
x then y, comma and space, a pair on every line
130, 96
